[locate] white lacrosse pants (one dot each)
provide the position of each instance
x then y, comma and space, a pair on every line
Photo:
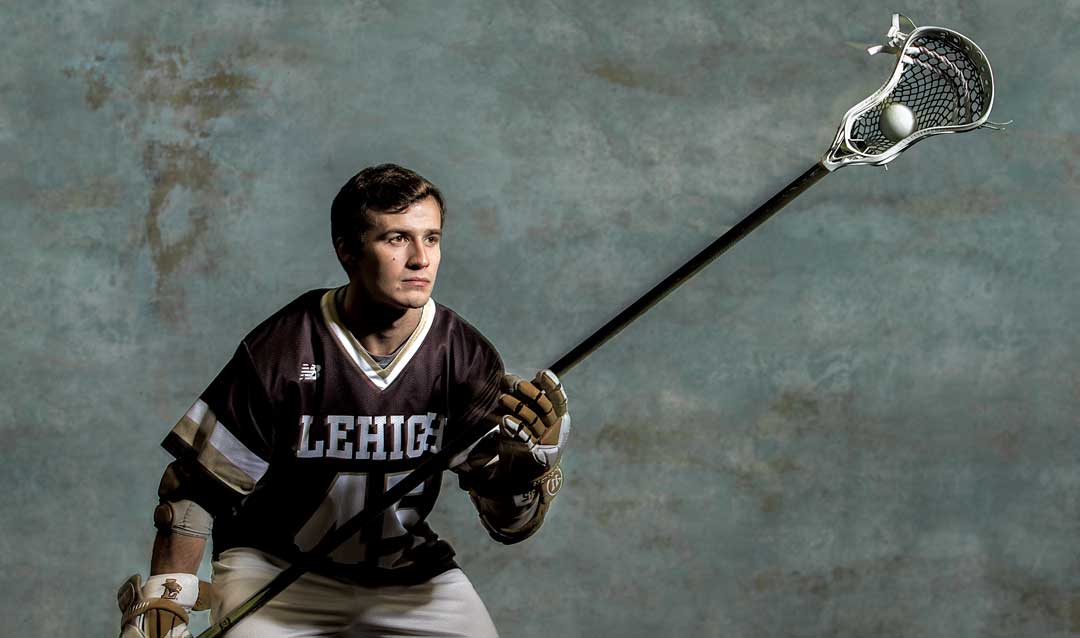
315, 605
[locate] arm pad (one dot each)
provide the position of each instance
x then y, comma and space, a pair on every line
178, 513
183, 517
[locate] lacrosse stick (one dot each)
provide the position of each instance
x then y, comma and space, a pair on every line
942, 83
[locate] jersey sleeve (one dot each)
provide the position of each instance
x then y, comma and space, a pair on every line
478, 375
227, 433
477, 371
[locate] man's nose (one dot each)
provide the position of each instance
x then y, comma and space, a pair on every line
418, 256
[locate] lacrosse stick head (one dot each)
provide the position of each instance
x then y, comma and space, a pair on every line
941, 76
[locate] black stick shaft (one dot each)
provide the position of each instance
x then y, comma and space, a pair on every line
689, 269
433, 464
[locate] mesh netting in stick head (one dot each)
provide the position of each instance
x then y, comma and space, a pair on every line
943, 79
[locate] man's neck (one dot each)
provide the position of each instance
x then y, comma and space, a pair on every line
380, 329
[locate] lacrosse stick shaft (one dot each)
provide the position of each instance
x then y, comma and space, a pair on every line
689, 269
431, 465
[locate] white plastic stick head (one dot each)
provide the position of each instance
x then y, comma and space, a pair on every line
942, 83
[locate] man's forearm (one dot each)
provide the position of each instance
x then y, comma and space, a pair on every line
176, 553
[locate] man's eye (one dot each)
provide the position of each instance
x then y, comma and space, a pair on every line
432, 240
397, 239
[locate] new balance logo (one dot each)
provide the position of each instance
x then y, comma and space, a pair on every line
309, 371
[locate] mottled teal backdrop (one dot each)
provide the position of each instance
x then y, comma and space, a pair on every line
861, 421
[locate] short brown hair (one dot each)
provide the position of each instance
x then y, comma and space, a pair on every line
386, 188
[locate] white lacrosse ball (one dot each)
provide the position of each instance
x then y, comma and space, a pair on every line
897, 122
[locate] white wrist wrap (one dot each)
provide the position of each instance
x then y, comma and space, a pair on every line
182, 589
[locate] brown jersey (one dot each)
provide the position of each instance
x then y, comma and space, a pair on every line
304, 428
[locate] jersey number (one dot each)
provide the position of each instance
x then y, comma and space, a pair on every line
343, 500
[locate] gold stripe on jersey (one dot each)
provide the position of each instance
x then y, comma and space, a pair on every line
218, 450
380, 376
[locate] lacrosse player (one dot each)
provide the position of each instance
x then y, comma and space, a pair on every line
323, 407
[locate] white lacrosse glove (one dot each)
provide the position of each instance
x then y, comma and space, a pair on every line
533, 425
159, 608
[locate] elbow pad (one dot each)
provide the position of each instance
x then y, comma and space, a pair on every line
184, 517
178, 514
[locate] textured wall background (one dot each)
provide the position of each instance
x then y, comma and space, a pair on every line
861, 421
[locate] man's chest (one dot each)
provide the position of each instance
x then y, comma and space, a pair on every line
335, 411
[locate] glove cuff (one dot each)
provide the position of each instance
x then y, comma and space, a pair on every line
181, 589
537, 497
547, 485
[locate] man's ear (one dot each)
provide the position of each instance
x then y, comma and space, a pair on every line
347, 259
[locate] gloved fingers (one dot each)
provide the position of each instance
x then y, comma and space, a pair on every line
532, 396
514, 428
554, 435
513, 405
548, 383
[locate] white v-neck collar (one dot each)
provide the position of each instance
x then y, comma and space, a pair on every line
381, 377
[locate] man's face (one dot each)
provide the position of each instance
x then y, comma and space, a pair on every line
400, 255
